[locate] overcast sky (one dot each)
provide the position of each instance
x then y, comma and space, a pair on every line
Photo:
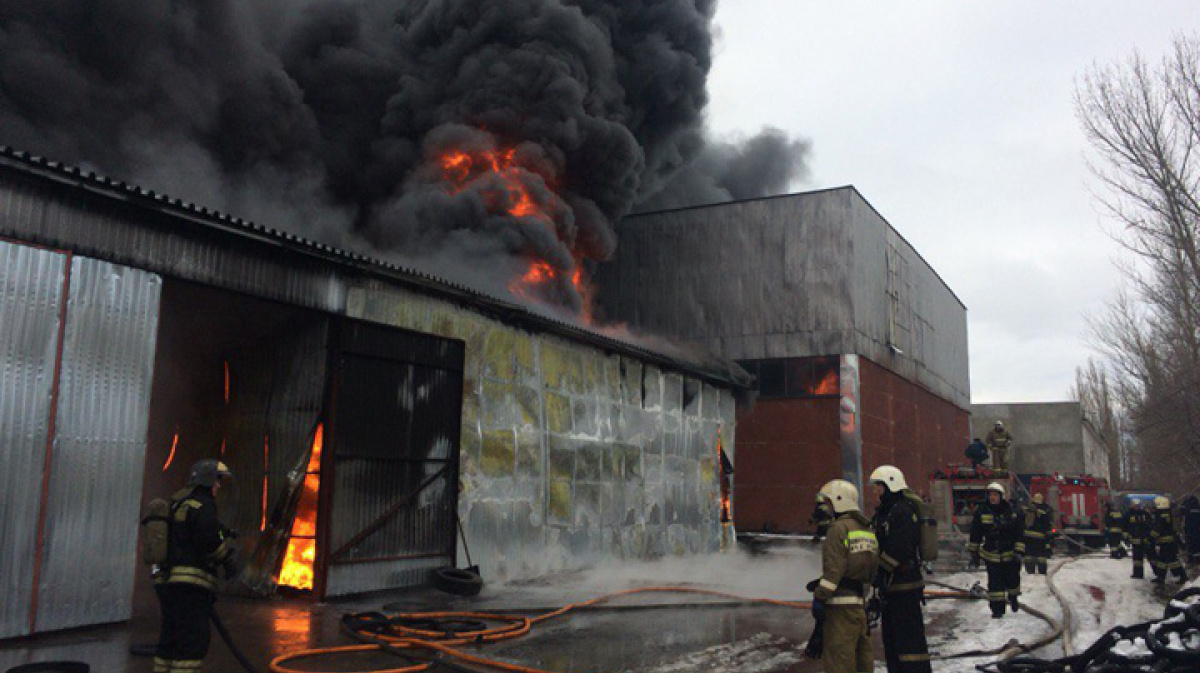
956, 120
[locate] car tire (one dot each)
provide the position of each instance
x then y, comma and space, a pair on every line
457, 581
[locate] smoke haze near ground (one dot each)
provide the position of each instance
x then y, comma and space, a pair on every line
328, 117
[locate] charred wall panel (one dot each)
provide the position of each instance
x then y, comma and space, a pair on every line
95, 482
31, 282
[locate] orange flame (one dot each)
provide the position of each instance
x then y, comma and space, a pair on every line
171, 456
828, 385
266, 471
461, 168
301, 554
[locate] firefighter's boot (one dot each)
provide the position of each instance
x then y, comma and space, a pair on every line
1013, 603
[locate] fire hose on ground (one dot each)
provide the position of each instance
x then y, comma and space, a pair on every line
425, 639
1169, 645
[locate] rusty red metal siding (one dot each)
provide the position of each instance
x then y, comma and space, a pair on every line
907, 426
786, 449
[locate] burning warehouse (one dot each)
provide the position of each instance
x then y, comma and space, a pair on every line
366, 410
859, 348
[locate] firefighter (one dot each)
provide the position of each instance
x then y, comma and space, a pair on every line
999, 441
1164, 540
822, 516
1191, 528
1038, 535
898, 529
199, 545
996, 539
1114, 528
849, 559
977, 453
1137, 529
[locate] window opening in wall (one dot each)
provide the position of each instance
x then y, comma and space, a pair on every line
796, 377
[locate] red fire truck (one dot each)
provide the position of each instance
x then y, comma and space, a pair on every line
955, 490
1078, 502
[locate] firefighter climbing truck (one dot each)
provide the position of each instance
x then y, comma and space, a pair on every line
1078, 502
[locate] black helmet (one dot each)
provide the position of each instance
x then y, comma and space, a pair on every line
206, 472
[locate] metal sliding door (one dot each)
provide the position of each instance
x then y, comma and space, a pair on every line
396, 425
74, 402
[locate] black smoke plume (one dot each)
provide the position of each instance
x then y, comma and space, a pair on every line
333, 118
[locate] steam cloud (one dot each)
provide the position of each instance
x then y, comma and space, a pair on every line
328, 117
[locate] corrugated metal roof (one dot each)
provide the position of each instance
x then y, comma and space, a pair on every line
713, 368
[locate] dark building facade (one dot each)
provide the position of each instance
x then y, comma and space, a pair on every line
858, 346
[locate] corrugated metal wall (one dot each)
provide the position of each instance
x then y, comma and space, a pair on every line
85, 502
30, 301
95, 486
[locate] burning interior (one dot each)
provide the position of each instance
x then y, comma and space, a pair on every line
266, 387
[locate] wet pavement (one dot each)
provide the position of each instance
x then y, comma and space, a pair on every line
646, 632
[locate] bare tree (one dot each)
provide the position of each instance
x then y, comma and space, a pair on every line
1143, 120
1104, 415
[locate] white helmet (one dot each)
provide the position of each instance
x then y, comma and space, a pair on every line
999, 424
1162, 502
842, 495
997, 487
890, 477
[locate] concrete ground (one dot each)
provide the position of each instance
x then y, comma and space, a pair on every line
646, 633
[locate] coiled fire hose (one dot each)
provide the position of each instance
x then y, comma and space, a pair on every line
1168, 645
430, 638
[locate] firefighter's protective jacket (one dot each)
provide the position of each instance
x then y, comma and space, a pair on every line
999, 438
1114, 522
849, 559
996, 533
199, 542
1162, 528
898, 528
1137, 526
1039, 521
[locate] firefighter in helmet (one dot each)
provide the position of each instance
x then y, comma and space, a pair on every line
996, 540
898, 528
1038, 535
1137, 529
199, 545
1114, 529
998, 442
849, 558
1165, 542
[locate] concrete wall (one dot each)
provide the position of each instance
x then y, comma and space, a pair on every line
571, 455
819, 273
1047, 437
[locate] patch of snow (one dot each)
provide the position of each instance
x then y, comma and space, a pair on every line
762, 653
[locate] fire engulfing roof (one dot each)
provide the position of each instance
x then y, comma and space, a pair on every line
232, 229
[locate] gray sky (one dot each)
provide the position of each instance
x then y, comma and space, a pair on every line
955, 119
